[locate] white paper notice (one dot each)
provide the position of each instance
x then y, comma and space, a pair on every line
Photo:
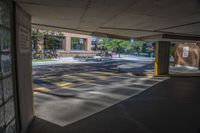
24, 40
185, 52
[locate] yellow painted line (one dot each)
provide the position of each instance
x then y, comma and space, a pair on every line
42, 89
150, 75
87, 74
35, 93
143, 74
64, 84
39, 88
105, 73
102, 77
77, 78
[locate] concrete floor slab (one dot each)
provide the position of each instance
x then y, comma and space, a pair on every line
99, 87
171, 106
71, 107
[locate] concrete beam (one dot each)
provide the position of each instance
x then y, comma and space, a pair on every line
181, 37
171, 38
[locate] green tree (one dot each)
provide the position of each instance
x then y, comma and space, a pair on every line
137, 46
104, 44
121, 46
118, 45
38, 36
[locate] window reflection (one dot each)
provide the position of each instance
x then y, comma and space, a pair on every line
7, 110
11, 127
7, 88
1, 94
6, 64
78, 44
4, 14
2, 122
5, 41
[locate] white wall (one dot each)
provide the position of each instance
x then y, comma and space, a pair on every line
24, 67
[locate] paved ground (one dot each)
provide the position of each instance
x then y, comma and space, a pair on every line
80, 90
71, 60
51, 78
184, 71
171, 106
68, 93
134, 64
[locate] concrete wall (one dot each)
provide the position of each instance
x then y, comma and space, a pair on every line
24, 67
193, 59
162, 58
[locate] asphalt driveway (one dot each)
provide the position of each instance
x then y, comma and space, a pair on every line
68, 93
171, 106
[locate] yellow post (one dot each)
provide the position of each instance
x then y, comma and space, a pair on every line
156, 61
162, 53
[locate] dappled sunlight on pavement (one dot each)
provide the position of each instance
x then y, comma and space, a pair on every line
78, 91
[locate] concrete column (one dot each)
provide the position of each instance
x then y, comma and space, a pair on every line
64, 44
68, 43
23, 59
199, 55
89, 45
162, 53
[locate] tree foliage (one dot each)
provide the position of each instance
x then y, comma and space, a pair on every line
118, 45
44, 38
122, 46
46, 32
137, 46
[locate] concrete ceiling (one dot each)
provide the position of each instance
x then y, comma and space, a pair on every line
123, 18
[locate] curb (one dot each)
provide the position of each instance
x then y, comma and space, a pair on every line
166, 75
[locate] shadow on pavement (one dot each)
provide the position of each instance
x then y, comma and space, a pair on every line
171, 106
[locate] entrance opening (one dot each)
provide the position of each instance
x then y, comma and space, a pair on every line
75, 76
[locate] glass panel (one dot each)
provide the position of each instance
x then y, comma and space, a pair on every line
2, 122
9, 111
7, 88
1, 36
1, 94
4, 14
6, 64
78, 44
6, 41
11, 127
57, 43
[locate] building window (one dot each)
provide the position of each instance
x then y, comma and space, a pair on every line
78, 44
53, 42
7, 106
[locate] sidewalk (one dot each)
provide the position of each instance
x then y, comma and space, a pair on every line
183, 71
71, 60
65, 60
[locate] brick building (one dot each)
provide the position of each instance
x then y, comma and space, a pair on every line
68, 45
